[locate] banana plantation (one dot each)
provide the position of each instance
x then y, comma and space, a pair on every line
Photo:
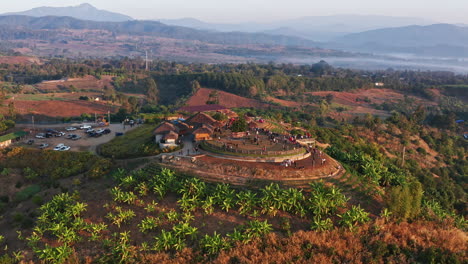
157, 210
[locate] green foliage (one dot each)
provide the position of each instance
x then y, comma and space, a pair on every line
324, 200
404, 202
138, 142
353, 217
220, 116
30, 174
27, 193
45, 162
212, 245
239, 125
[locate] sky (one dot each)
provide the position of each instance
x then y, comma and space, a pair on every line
237, 11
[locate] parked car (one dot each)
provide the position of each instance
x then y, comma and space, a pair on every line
43, 145
41, 135
70, 136
64, 148
75, 137
59, 146
30, 142
90, 130
85, 127
107, 131
100, 131
70, 128
49, 135
118, 134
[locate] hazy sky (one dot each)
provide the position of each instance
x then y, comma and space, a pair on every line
232, 11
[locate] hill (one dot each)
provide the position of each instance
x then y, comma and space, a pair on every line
149, 28
321, 28
83, 11
435, 40
226, 99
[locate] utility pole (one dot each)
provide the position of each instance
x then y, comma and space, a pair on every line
95, 118
32, 117
146, 59
108, 117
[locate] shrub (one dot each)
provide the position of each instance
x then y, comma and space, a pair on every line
45, 162
30, 174
136, 143
27, 193
37, 200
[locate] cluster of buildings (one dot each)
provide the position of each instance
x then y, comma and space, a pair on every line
200, 125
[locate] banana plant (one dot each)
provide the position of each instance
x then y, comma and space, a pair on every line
320, 224
183, 229
54, 255
207, 205
246, 201
122, 216
172, 215
258, 228
193, 187
151, 207
148, 223
142, 189
168, 240
354, 216
212, 245
188, 203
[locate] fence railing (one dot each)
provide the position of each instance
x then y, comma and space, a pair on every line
270, 153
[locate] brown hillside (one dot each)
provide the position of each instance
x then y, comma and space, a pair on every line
19, 60
61, 108
284, 102
88, 83
226, 99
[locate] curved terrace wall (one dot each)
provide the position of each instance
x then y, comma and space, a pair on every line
253, 155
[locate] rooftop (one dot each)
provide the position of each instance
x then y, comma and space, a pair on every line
13, 136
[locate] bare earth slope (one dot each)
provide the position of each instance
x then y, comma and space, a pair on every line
228, 100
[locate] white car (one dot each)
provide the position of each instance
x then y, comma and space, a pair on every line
85, 127
40, 135
70, 128
43, 145
100, 131
64, 148
59, 146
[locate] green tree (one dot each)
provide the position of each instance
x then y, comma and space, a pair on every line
152, 92
404, 202
239, 125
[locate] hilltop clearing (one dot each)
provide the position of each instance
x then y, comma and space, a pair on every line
226, 99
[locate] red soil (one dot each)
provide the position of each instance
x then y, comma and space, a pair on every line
19, 60
226, 99
61, 108
284, 102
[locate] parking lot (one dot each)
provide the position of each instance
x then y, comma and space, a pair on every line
85, 143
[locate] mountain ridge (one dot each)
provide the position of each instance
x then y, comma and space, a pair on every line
83, 11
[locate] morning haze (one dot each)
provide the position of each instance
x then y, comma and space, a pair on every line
450, 11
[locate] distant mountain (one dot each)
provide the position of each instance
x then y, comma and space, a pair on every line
153, 28
318, 28
432, 40
83, 11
